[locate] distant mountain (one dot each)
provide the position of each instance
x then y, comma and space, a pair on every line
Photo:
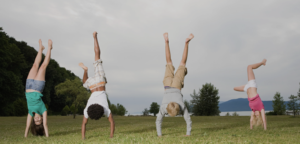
241, 104
221, 102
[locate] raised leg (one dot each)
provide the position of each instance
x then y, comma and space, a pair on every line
42, 71
85, 74
167, 47
254, 66
239, 88
185, 51
34, 69
96, 47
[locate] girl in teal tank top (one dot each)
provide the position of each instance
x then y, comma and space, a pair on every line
37, 112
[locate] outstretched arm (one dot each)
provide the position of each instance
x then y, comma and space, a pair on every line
251, 119
84, 122
112, 125
158, 122
239, 88
263, 116
45, 123
188, 121
28, 122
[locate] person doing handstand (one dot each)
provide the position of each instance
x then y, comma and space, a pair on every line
97, 104
258, 116
35, 84
172, 101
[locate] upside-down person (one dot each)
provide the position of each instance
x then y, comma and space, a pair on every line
172, 101
97, 105
35, 84
258, 116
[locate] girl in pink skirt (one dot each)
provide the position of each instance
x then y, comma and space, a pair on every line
258, 116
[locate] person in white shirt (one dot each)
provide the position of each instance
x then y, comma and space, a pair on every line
97, 105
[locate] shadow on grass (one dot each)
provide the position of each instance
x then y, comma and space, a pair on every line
144, 129
217, 128
71, 131
290, 125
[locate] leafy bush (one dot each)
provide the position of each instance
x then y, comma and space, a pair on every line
271, 113
235, 114
65, 110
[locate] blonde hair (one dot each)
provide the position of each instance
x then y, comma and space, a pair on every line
173, 109
257, 120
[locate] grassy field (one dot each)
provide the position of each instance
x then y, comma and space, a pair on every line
65, 129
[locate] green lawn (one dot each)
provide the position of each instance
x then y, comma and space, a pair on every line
65, 129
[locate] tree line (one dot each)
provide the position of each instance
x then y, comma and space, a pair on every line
279, 106
63, 89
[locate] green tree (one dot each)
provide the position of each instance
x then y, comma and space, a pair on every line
20, 107
154, 108
75, 93
206, 102
113, 109
121, 110
235, 114
299, 95
12, 63
145, 112
227, 114
278, 104
293, 104
73, 109
65, 110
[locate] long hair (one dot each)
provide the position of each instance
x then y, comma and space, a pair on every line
37, 130
257, 120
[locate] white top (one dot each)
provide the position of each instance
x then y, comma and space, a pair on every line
251, 83
98, 97
173, 95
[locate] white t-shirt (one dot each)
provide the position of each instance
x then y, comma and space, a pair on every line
98, 97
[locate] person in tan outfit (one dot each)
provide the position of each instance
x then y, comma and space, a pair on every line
172, 101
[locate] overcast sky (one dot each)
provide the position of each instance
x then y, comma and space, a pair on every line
229, 35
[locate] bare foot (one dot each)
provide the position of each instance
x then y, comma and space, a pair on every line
95, 34
166, 37
50, 44
264, 62
191, 36
41, 45
83, 66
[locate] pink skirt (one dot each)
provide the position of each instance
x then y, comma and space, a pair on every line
256, 104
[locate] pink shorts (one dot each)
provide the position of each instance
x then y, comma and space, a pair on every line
256, 104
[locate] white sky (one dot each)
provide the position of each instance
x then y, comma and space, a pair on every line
229, 35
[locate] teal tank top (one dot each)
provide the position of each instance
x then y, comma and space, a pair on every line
35, 103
